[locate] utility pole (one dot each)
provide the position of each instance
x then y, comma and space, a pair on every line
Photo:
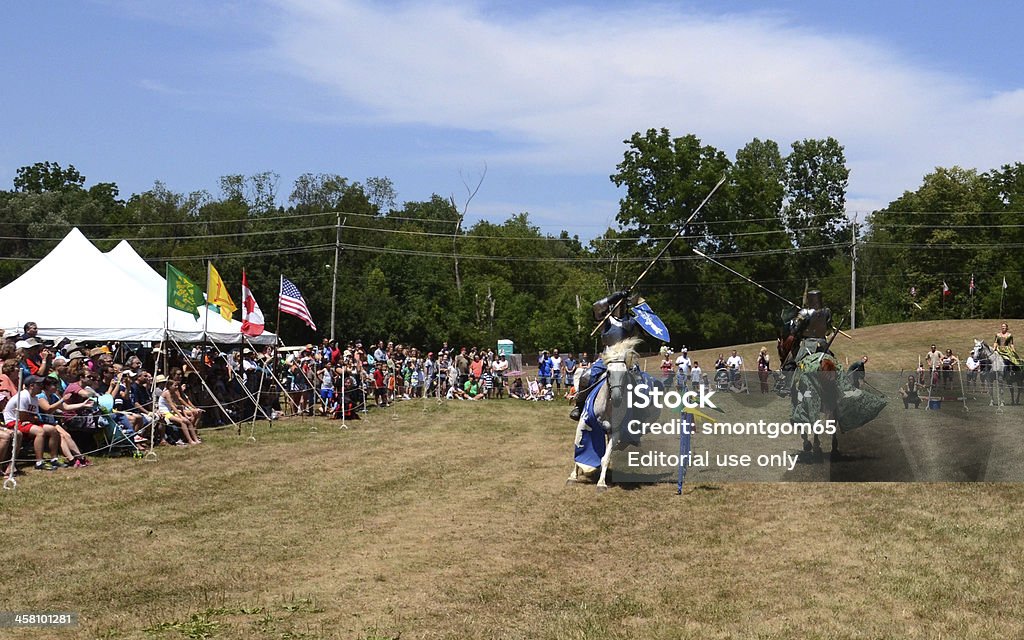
334, 285
853, 277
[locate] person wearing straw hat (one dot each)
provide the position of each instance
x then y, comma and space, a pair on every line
167, 408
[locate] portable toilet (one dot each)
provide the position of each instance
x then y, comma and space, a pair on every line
506, 347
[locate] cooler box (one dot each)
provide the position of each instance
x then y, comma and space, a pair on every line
506, 347
935, 404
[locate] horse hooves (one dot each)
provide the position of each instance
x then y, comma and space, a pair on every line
602, 488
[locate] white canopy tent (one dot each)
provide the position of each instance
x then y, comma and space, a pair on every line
80, 293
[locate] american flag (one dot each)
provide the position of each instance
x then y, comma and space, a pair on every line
290, 301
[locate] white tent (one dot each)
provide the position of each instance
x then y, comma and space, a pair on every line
217, 328
82, 294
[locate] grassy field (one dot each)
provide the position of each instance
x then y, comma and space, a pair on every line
454, 521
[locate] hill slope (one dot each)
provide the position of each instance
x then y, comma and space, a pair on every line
889, 347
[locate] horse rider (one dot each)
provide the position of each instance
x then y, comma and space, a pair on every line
618, 324
811, 326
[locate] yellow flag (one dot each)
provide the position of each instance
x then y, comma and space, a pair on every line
217, 293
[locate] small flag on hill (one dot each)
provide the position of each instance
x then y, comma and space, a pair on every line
252, 317
945, 289
1004, 282
290, 301
182, 293
972, 285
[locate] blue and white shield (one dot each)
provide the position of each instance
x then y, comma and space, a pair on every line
650, 323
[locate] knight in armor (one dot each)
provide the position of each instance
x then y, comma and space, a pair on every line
811, 326
619, 324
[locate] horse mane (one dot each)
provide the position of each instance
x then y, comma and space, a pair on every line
619, 350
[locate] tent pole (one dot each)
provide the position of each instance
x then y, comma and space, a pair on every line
274, 378
207, 387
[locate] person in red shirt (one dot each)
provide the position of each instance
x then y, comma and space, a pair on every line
380, 389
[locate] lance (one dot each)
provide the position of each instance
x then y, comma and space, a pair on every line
661, 253
759, 286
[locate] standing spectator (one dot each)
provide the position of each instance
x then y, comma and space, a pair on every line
462, 366
735, 365
720, 362
500, 369
476, 368
763, 369
487, 382
972, 371
380, 389
29, 331
667, 370
857, 372
949, 364
934, 360
696, 376
683, 365
556, 369
544, 369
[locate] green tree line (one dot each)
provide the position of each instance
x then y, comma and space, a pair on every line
415, 272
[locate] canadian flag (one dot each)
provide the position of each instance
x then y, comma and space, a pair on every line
252, 317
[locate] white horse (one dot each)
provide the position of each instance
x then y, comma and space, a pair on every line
609, 407
998, 370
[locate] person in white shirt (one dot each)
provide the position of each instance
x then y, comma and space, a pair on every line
973, 366
556, 369
683, 365
22, 414
735, 364
696, 376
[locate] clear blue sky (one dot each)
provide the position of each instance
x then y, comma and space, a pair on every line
543, 93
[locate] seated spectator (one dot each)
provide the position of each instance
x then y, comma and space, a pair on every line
517, 390
36, 360
140, 403
49, 401
182, 401
472, 388
22, 413
167, 407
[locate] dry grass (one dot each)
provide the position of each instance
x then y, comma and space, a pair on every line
455, 523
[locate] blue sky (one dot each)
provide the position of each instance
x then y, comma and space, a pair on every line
542, 93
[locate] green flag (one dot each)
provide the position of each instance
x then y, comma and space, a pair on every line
182, 293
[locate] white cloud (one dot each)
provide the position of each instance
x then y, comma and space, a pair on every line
562, 88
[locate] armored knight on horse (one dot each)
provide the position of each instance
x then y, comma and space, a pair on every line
601, 407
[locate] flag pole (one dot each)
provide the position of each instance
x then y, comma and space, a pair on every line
206, 306
1002, 294
280, 286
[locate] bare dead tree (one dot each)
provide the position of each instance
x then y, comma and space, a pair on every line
470, 194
